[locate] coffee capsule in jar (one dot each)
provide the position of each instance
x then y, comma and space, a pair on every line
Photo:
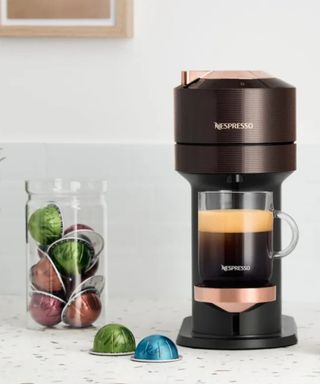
76, 227
45, 308
65, 220
45, 225
94, 283
89, 235
72, 256
82, 310
45, 277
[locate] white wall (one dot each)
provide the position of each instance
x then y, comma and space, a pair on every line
120, 91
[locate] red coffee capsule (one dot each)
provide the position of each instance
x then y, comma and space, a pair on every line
45, 276
45, 308
82, 310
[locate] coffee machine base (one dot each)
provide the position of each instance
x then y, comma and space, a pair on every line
287, 336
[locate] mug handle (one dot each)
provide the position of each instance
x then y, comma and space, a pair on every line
295, 233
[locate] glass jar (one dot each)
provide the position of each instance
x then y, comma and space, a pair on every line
66, 247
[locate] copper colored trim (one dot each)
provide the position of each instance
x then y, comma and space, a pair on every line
241, 75
235, 300
188, 77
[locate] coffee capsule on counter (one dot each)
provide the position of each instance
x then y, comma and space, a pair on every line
76, 227
72, 256
93, 283
156, 349
82, 310
92, 237
45, 276
46, 225
113, 340
46, 308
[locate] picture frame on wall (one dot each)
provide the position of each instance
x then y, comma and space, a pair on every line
66, 18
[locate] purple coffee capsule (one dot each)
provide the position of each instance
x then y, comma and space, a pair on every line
46, 308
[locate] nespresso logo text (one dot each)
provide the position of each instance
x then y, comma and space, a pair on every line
227, 268
231, 126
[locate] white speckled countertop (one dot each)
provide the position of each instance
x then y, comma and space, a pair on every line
61, 356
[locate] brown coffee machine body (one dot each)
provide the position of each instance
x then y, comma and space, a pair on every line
235, 131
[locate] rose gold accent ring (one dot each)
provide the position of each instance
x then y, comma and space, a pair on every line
235, 300
188, 77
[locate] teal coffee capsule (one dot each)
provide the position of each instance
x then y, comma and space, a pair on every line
156, 349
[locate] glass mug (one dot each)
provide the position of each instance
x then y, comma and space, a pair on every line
235, 241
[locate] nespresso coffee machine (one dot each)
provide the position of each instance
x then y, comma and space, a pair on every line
235, 138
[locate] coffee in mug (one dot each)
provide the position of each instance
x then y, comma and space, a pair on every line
235, 246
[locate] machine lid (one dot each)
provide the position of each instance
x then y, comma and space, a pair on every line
234, 107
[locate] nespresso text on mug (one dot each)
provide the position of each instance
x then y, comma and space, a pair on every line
227, 268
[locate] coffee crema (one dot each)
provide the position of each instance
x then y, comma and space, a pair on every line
235, 220
235, 247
